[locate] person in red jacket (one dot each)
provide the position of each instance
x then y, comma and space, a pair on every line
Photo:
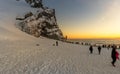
117, 55
114, 56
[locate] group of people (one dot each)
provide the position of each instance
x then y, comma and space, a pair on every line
56, 43
91, 49
114, 53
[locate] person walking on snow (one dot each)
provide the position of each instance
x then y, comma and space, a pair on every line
56, 43
99, 49
91, 49
114, 55
117, 55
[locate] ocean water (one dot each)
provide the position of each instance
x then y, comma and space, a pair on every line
97, 41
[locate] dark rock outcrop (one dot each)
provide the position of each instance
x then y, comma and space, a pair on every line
41, 23
35, 3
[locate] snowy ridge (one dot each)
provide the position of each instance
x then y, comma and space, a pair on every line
9, 9
40, 23
21, 53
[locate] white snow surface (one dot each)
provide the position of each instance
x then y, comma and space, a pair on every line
25, 57
21, 53
9, 10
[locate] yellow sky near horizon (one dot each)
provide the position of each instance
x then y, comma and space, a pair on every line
106, 26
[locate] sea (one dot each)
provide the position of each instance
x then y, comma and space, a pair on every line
97, 41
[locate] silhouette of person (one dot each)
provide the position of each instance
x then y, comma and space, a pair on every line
108, 47
91, 49
66, 38
56, 43
114, 55
99, 49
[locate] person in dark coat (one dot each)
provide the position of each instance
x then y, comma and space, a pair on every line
99, 49
56, 43
108, 47
91, 49
113, 55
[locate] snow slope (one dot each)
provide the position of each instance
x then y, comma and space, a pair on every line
21, 53
27, 58
9, 9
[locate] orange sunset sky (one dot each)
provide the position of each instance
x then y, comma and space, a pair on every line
88, 18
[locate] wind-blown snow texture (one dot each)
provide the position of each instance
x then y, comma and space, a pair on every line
24, 57
21, 53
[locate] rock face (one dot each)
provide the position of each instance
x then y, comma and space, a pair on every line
35, 3
41, 23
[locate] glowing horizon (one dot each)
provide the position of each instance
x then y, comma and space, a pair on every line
106, 25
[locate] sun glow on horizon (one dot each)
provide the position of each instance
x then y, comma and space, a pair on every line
106, 26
